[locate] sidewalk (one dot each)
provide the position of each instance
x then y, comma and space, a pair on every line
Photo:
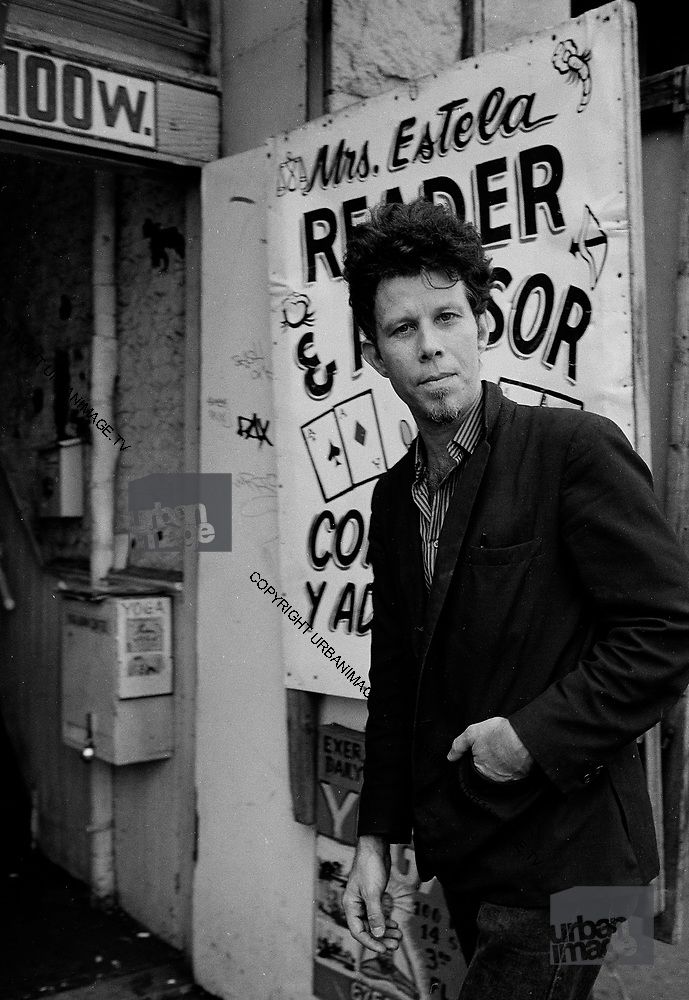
166, 982
57, 944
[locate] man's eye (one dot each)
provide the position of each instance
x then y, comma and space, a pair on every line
447, 317
402, 329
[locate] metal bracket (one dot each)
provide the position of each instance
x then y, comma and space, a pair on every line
666, 90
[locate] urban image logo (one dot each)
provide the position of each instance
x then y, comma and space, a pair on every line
587, 922
174, 511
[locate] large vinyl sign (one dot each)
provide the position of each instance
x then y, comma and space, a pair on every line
536, 144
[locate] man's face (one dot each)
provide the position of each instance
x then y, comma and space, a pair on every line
428, 345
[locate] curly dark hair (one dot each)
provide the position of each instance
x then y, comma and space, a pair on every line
406, 240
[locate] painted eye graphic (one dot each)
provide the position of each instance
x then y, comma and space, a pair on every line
296, 310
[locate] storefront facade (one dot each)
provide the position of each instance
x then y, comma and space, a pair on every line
107, 113
257, 899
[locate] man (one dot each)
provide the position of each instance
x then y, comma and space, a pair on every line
531, 620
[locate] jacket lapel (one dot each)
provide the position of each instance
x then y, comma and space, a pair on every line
452, 536
458, 514
409, 541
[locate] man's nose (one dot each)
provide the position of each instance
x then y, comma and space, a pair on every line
428, 341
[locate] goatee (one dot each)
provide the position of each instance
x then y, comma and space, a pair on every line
441, 412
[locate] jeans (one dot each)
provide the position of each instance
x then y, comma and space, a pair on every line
507, 951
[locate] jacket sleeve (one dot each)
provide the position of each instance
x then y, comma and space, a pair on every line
385, 807
636, 578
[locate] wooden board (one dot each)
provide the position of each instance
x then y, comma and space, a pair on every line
72, 102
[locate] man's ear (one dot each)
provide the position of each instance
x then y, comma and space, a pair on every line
483, 331
370, 352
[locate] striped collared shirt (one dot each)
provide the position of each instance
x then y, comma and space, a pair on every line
433, 512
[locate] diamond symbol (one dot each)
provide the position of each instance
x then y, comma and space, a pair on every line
359, 433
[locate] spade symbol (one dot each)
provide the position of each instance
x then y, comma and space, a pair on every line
333, 453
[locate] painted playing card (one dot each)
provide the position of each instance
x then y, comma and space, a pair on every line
360, 431
326, 451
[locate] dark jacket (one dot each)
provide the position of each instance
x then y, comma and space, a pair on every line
560, 600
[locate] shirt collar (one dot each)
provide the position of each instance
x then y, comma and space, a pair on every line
464, 441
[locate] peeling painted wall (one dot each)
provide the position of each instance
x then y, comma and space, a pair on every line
381, 45
149, 412
253, 888
152, 800
45, 306
371, 50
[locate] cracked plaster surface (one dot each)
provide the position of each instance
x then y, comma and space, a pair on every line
371, 51
151, 315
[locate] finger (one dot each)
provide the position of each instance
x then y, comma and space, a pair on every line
358, 928
353, 907
391, 944
359, 925
460, 745
392, 938
485, 773
376, 920
491, 774
392, 930
368, 941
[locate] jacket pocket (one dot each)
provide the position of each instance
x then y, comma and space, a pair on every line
628, 782
505, 800
495, 607
504, 555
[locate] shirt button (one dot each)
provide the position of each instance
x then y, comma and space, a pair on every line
435, 545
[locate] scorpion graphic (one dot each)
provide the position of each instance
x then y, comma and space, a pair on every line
568, 60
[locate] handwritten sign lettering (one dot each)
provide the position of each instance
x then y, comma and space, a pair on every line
538, 146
